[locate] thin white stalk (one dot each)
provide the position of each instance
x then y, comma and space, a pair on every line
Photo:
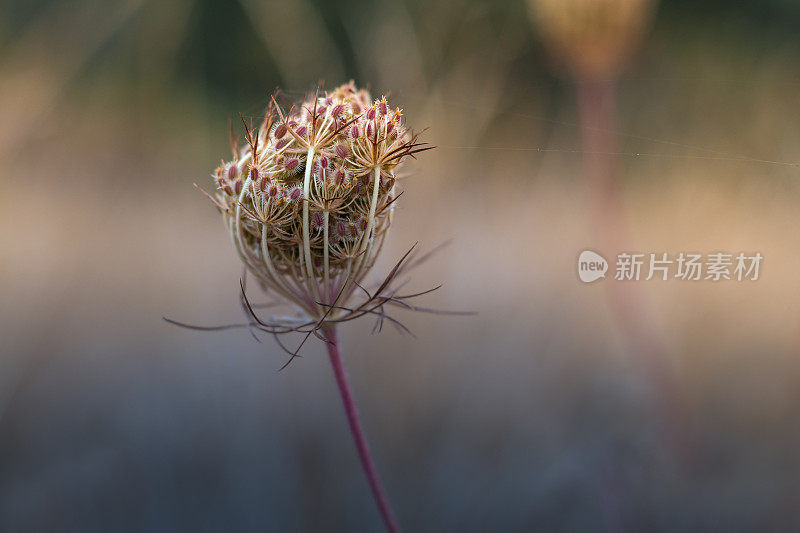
301, 274
327, 121
238, 221
372, 206
246, 259
365, 238
287, 292
238, 243
325, 262
306, 237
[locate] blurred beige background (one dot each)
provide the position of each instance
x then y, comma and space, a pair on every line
533, 414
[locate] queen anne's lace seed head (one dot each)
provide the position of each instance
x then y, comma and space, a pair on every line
309, 199
593, 37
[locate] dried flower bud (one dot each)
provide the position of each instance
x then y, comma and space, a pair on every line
352, 230
291, 164
341, 229
317, 221
340, 176
295, 194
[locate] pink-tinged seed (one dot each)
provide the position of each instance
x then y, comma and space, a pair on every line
318, 220
341, 229
383, 108
354, 133
280, 131
238, 187
341, 150
337, 110
254, 174
371, 113
291, 163
301, 131
280, 144
295, 194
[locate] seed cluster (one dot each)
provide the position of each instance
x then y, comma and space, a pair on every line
309, 198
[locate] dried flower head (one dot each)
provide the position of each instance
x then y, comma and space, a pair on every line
308, 202
593, 37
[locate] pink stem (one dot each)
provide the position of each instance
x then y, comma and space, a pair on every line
597, 109
358, 433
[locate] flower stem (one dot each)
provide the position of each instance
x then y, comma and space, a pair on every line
597, 111
357, 431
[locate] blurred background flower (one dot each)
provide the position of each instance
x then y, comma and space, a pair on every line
532, 414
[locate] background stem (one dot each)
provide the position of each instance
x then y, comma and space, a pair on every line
597, 110
357, 431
